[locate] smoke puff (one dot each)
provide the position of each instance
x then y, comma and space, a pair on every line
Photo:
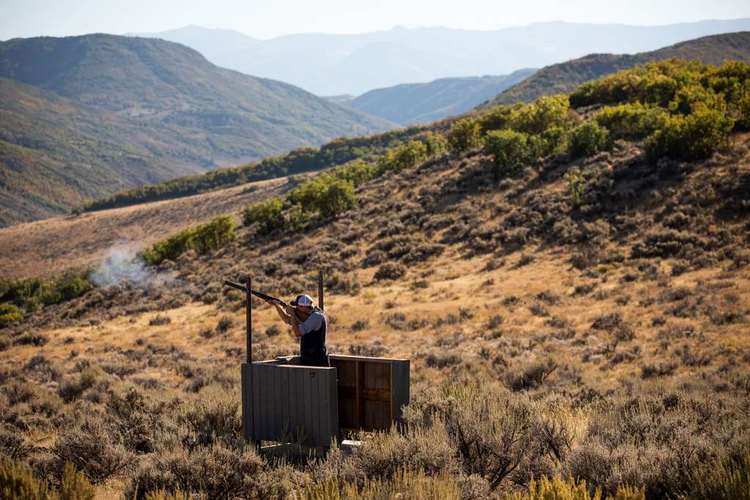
123, 264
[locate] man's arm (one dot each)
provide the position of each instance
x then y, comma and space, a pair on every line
284, 314
312, 322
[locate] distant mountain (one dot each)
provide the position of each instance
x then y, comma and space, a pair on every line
82, 117
353, 64
343, 99
426, 102
564, 77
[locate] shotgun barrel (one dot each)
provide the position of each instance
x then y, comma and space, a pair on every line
261, 295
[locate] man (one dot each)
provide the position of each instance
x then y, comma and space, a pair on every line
309, 325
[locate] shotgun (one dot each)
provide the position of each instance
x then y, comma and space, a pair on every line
261, 295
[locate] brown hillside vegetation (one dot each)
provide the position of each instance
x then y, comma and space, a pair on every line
576, 319
52, 245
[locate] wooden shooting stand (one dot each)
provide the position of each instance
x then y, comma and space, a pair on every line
286, 402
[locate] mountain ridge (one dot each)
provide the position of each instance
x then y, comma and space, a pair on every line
156, 109
410, 103
318, 61
564, 77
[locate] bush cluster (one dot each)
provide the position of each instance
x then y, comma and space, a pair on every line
465, 134
633, 121
337, 152
511, 150
517, 135
21, 296
690, 137
587, 139
333, 192
686, 109
202, 239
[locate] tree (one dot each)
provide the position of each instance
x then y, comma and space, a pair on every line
266, 214
336, 197
588, 139
511, 150
464, 134
692, 137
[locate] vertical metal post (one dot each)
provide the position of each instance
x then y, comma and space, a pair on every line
248, 411
249, 319
320, 290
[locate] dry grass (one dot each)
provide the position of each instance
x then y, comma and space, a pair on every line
597, 345
51, 245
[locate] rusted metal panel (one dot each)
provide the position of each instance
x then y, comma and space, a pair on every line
294, 403
400, 389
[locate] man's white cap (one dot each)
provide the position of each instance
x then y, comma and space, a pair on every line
303, 300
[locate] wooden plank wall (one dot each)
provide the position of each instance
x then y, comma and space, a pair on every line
371, 391
290, 403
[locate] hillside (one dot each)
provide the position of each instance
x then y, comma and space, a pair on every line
332, 64
55, 244
572, 288
564, 77
336, 152
426, 102
83, 117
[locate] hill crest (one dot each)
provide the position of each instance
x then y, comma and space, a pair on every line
564, 77
161, 104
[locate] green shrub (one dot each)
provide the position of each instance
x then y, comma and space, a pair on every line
203, 238
9, 314
576, 186
266, 214
326, 195
357, 172
540, 115
654, 83
588, 139
497, 118
684, 87
634, 121
30, 294
464, 134
404, 156
692, 137
436, 143
692, 97
67, 287
553, 140
740, 109
510, 150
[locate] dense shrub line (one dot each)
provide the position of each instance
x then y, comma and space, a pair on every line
19, 297
202, 238
336, 152
684, 111
333, 192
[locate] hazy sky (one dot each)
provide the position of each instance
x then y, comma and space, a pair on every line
269, 18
